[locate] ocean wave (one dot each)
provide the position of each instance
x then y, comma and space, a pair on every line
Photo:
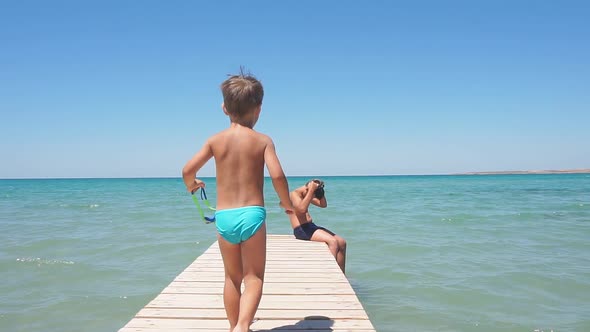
41, 261
78, 206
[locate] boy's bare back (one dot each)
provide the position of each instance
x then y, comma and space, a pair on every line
239, 154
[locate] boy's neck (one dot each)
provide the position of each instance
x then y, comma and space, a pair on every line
248, 120
235, 124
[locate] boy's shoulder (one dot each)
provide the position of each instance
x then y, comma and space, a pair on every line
298, 190
222, 135
263, 136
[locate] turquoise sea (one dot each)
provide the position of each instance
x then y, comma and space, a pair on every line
425, 253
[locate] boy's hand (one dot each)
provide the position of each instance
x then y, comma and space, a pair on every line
288, 207
312, 186
195, 185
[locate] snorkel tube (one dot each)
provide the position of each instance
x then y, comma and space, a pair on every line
207, 220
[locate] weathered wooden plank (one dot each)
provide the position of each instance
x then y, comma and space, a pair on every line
269, 277
326, 323
209, 329
269, 288
147, 329
325, 263
295, 314
270, 258
301, 301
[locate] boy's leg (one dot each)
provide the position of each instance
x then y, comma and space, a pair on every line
341, 257
232, 263
336, 244
254, 261
322, 235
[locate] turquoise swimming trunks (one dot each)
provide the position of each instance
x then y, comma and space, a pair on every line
239, 224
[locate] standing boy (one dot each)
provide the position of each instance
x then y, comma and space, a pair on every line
240, 155
304, 228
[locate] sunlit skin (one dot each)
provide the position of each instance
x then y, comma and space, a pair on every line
302, 198
240, 155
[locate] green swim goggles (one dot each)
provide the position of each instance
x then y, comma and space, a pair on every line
207, 220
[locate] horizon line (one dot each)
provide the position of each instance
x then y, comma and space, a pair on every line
527, 172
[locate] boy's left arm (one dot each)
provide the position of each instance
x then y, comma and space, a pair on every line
189, 171
302, 201
320, 202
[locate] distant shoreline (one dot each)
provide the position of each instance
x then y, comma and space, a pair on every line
532, 172
549, 171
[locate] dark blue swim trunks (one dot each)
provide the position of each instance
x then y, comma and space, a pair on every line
305, 231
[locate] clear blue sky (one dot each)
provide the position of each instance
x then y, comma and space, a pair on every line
131, 88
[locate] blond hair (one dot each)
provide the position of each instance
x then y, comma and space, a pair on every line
242, 93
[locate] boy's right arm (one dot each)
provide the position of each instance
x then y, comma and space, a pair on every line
189, 171
301, 204
279, 180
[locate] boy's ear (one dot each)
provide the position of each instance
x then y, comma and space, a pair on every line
223, 108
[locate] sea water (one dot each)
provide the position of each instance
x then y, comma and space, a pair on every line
425, 253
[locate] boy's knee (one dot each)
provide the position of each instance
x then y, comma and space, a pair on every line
235, 280
341, 243
332, 243
254, 279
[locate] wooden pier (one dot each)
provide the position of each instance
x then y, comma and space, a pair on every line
304, 289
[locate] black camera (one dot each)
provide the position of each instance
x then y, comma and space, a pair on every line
319, 192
